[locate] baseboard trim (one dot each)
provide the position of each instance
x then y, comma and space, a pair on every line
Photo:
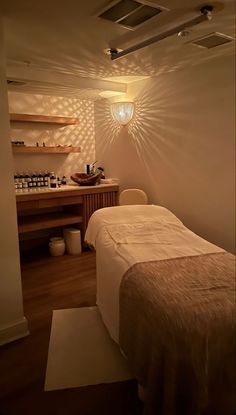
14, 331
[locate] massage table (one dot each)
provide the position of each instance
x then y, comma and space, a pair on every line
166, 296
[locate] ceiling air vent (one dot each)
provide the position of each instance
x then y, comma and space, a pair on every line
13, 82
212, 40
130, 13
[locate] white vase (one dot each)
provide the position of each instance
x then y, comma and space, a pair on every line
57, 246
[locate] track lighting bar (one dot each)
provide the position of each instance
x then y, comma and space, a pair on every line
205, 15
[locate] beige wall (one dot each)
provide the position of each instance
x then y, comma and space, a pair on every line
181, 146
77, 135
12, 322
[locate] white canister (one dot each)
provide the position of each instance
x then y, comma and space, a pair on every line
73, 240
57, 246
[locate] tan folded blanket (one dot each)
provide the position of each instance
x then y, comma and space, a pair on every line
177, 328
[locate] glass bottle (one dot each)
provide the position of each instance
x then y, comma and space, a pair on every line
34, 180
30, 184
46, 179
58, 182
53, 181
63, 180
15, 181
39, 180
24, 182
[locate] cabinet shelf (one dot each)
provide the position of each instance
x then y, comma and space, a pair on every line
46, 119
46, 220
44, 150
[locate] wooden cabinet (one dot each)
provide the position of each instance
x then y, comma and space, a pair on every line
65, 206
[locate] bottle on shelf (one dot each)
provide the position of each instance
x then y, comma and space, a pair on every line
63, 181
34, 180
20, 182
39, 180
24, 182
88, 168
46, 179
53, 180
16, 180
30, 184
58, 182
27, 179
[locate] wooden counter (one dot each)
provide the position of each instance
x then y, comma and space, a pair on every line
33, 194
49, 208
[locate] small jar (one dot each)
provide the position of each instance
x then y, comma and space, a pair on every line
57, 246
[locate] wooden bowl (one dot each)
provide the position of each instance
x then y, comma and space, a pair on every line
84, 179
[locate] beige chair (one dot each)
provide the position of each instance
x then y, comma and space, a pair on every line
133, 197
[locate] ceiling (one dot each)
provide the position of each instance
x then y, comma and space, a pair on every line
51, 37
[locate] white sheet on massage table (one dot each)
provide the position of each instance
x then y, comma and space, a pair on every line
156, 235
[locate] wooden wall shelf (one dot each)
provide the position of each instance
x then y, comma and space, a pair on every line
46, 119
45, 221
44, 150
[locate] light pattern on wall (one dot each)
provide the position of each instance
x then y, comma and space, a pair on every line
179, 148
77, 135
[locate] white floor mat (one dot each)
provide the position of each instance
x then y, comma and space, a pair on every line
81, 351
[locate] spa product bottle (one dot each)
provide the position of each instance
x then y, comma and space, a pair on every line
16, 181
39, 177
27, 179
46, 180
88, 168
34, 180
21, 181
30, 184
25, 182
63, 180
53, 181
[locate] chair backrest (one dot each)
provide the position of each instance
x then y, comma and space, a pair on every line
133, 197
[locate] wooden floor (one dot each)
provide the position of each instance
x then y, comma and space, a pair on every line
48, 284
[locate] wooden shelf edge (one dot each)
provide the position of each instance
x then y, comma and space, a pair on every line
44, 150
47, 119
68, 192
45, 221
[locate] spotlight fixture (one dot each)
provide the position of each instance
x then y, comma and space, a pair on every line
184, 32
112, 52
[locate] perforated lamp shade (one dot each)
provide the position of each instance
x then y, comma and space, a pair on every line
122, 112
